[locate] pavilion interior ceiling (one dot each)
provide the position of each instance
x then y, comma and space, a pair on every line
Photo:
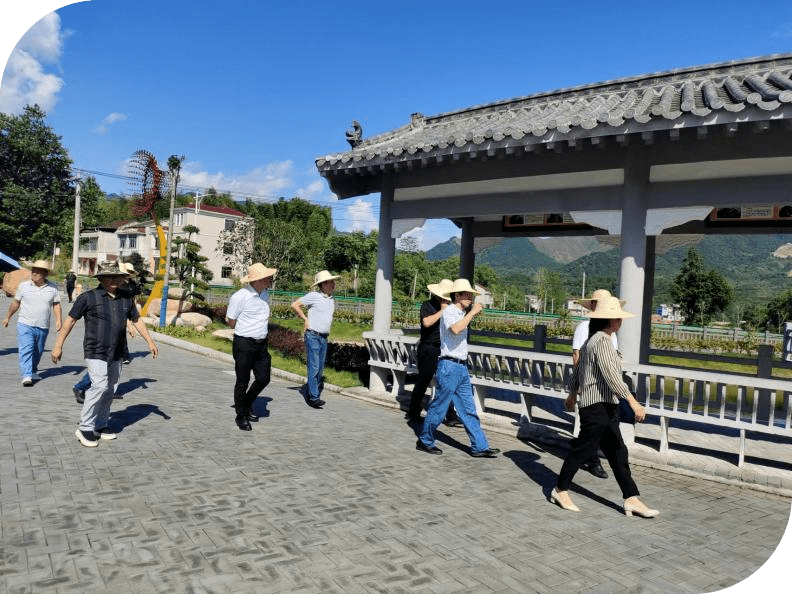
709, 135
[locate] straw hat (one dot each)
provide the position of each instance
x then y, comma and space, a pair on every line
71, 271
258, 271
323, 276
459, 286
598, 294
109, 268
441, 289
127, 267
41, 264
609, 307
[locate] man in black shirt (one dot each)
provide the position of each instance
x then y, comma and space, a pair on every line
106, 311
428, 351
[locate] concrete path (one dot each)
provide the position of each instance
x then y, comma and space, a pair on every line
336, 500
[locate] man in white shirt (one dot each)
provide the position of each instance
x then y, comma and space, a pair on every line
580, 337
34, 299
320, 307
451, 376
248, 313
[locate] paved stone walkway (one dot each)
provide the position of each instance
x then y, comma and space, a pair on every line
336, 500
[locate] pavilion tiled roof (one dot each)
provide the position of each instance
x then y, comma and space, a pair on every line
698, 96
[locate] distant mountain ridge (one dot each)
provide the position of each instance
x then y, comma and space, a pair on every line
758, 266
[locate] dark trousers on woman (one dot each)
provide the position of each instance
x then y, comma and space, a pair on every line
250, 355
600, 427
427, 355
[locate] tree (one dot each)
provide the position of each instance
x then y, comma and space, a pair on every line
778, 312
700, 293
35, 192
189, 267
350, 252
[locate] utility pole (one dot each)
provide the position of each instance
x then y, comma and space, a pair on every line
583, 285
174, 165
77, 225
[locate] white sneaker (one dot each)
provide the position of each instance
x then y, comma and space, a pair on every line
105, 434
27, 381
86, 438
35, 376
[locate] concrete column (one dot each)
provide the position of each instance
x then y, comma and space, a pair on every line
633, 254
649, 291
467, 251
381, 323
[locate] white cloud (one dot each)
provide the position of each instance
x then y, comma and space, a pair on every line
26, 80
108, 120
313, 190
360, 217
261, 183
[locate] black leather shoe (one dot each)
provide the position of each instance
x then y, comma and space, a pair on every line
79, 395
243, 424
251, 416
316, 403
433, 450
595, 469
487, 454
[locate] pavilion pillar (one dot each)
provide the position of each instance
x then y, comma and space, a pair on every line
633, 254
385, 273
467, 251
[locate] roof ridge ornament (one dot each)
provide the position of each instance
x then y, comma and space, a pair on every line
354, 135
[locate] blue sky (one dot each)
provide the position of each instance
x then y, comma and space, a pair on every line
253, 92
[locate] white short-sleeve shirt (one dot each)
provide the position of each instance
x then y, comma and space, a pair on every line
251, 310
453, 345
320, 311
36, 302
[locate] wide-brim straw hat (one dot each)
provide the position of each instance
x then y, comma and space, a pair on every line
441, 289
258, 271
41, 264
598, 294
459, 286
127, 267
609, 307
71, 271
323, 276
109, 268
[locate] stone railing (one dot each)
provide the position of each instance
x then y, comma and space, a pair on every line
743, 403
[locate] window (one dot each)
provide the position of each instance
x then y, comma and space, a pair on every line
225, 273
132, 242
127, 241
122, 242
228, 248
230, 224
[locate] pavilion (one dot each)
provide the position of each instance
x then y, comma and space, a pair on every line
690, 151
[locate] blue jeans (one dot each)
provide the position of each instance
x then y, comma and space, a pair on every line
85, 382
453, 384
31, 341
316, 350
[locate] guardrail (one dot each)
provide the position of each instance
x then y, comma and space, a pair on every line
744, 403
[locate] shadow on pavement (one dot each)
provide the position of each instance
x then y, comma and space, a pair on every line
61, 370
8, 351
133, 414
133, 383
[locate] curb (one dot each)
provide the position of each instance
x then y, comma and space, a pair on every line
758, 481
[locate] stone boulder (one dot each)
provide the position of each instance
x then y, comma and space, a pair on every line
12, 280
193, 319
172, 307
224, 333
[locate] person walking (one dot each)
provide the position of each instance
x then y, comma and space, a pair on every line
34, 298
598, 379
580, 335
248, 313
451, 376
429, 350
106, 311
71, 279
317, 321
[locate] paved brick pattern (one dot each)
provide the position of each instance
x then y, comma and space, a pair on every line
336, 500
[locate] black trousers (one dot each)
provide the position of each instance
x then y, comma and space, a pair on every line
250, 355
600, 427
427, 355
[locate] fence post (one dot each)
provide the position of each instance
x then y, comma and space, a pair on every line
540, 337
765, 408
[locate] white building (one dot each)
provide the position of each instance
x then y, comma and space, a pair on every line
121, 240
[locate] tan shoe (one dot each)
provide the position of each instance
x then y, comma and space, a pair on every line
563, 500
635, 506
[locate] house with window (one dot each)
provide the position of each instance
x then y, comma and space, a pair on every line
123, 238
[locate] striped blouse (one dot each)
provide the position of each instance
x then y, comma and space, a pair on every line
598, 375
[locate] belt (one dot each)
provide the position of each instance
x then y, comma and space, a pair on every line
463, 362
323, 335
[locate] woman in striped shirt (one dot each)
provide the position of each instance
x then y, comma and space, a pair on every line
598, 379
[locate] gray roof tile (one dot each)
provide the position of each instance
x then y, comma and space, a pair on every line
591, 110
